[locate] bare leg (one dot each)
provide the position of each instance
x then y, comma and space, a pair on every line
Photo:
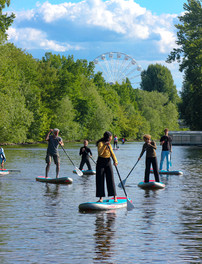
115, 199
47, 169
57, 170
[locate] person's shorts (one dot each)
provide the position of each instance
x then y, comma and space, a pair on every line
56, 158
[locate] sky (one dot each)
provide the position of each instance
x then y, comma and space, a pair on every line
142, 29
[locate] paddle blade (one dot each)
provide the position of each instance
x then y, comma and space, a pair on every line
79, 172
123, 182
130, 206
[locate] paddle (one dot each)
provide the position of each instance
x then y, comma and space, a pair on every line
124, 181
130, 206
79, 172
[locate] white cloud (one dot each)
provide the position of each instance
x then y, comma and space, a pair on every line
122, 20
30, 38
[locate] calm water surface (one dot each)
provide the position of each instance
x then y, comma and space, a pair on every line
40, 223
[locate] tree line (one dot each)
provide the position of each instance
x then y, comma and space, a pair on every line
58, 91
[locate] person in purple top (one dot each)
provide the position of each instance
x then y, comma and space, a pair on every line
52, 150
166, 143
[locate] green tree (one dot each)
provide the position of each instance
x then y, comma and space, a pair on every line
158, 112
189, 56
158, 78
5, 20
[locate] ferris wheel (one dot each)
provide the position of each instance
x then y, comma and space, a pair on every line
117, 66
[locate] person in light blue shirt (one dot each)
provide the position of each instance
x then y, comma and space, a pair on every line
166, 143
2, 157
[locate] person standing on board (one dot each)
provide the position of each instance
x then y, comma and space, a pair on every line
166, 143
52, 150
85, 152
115, 142
104, 168
2, 157
150, 147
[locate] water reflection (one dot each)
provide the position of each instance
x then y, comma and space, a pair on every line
52, 190
104, 236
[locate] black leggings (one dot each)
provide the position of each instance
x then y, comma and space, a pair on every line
104, 170
154, 163
83, 161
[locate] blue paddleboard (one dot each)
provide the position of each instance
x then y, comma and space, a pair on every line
107, 204
151, 185
62, 180
4, 172
87, 172
176, 172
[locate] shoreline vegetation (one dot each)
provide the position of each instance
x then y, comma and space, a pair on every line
58, 91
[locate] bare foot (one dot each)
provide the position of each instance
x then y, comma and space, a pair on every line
115, 200
100, 201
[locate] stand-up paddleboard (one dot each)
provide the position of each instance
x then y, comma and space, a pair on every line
4, 172
87, 172
62, 180
169, 172
151, 185
108, 204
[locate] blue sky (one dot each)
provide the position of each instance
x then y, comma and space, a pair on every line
142, 29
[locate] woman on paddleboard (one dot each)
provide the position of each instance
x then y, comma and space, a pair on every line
52, 150
150, 147
85, 152
104, 168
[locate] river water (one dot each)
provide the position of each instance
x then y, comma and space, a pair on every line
40, 223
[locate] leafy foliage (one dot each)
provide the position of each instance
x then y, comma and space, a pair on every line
189, 55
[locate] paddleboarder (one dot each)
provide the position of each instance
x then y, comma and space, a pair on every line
115, 142
104, 168
150, 147
166, 143
2, 157
85, 153
52, 150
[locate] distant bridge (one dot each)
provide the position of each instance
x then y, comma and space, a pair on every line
186, 138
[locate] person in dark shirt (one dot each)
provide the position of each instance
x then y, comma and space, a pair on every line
150, 147
85, 152
52, 150
166, 143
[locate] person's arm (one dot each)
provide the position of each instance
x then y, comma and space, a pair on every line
61, 142
47, 136
113, 155
152, 144
161, 141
